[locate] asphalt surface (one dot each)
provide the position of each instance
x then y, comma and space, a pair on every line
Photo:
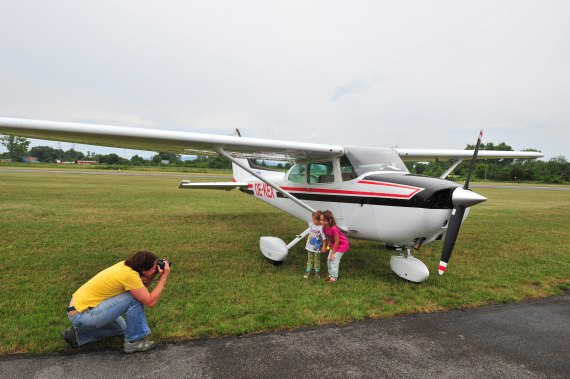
522, 340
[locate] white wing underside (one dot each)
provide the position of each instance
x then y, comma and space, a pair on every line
419, 155
212, 185
188, 143
168, 141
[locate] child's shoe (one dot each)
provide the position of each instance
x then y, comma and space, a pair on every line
317, 275
306, 274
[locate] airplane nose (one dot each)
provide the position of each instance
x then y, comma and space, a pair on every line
466, 198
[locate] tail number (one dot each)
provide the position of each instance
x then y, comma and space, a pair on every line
264, 190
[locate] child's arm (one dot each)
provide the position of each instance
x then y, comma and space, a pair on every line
325, 244
334, 246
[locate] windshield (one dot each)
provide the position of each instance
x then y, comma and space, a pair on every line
367, 159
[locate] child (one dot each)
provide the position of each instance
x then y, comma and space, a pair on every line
314, 244
338, 245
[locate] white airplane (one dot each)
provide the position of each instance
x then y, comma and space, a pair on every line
369, 190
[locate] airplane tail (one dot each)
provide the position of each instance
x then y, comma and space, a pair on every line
239, 173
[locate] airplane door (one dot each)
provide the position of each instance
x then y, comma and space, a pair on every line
298, 186
321, 181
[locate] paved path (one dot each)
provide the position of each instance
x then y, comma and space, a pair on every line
523, 340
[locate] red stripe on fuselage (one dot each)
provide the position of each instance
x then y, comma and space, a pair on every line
386, 184
326, 191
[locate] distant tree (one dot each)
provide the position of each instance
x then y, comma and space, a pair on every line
113, 159
138, 160
17, 146
45, 153
72, 155
558, 170
420, 168
208, 161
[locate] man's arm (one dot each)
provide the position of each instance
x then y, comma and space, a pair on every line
150, 299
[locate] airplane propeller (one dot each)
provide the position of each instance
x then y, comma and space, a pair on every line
461, 198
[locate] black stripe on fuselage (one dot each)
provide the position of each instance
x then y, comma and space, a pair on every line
436, 194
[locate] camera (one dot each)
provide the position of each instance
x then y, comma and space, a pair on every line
160, 262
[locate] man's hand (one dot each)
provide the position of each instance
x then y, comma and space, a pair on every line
166, 270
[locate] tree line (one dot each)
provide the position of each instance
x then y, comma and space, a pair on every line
556, 170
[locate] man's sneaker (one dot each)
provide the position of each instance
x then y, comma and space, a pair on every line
140, 345
70, 337
306, 274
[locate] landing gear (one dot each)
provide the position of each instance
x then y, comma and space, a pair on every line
275, 250
408, 267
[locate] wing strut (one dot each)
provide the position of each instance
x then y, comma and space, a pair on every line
450, 169
272, 248
264, 180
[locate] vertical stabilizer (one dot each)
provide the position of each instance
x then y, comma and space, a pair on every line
239, 173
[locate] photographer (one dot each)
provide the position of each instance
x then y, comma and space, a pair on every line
96, 307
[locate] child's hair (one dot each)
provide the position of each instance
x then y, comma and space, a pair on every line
329, 217
317, 215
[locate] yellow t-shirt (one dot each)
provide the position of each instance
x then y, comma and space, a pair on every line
108, 283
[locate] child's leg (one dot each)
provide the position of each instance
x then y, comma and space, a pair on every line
317, 262
310, 258
333, 266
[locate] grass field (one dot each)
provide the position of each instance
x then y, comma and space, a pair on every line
59, 230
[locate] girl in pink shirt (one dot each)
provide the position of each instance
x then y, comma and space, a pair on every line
338, 245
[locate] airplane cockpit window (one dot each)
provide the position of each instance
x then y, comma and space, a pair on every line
346, 169
374, 159
298, 174
321, 172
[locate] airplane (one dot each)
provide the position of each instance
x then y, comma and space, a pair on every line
369, 190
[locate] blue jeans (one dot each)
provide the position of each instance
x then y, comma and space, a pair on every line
333, 265
105, 320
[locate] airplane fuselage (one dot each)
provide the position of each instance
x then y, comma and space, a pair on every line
396, 208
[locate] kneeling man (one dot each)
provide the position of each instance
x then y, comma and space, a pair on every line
96, 308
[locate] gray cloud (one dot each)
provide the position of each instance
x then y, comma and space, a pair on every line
296, 70
355, 87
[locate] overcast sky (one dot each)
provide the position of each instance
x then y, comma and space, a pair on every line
413, 74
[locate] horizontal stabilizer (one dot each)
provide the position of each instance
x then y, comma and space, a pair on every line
212, 185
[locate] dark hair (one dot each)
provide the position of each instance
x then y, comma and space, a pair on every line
141, 261
329, 217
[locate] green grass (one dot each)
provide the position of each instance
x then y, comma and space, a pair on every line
59, 230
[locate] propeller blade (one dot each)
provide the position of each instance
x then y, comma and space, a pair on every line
451, 237
472, 164
461, 199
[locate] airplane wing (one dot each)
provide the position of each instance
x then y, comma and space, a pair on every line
419, 155
168, 141
203, 144
212, 185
